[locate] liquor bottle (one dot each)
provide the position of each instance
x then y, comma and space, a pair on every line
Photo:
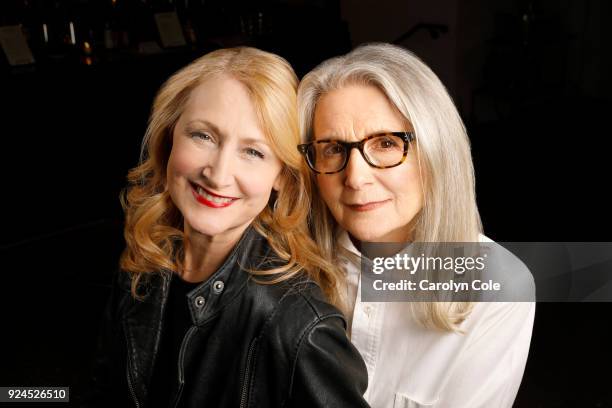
32, 27
56, 29
111, 26
187, 12
145, 32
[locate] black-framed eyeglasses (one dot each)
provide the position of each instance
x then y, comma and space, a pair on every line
380, 150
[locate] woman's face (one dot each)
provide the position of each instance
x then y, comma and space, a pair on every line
221, 169
375, 205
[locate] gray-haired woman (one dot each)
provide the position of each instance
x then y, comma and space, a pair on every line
428, 354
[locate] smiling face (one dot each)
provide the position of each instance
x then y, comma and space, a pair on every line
375, 205
221, 169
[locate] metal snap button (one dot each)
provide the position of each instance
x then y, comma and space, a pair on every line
200, 301
218, 286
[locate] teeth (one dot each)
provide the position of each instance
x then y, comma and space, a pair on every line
214, 199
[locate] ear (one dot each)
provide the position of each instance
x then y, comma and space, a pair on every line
164, 181
278, 181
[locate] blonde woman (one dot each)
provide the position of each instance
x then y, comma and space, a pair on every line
222, 298
352, 108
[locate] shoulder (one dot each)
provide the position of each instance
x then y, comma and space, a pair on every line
285, 309
503, 266
303, 341
484, 238
292, 310
511, 313
121, 291
296, 302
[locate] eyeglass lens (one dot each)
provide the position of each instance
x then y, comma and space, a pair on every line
380, 151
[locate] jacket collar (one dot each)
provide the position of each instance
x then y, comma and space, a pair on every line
212, 295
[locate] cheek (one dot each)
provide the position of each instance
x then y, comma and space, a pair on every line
406, 186
260, 187
330, 188
184, 162
178, 163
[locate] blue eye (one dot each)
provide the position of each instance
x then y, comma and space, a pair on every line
200, 136
254, 153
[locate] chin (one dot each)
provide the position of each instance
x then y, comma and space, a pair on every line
209, 228
366, 234
373, 238
361, 229
371, 233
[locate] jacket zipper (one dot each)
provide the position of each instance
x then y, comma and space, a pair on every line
128, 367
247, 375
130, 386
181, 367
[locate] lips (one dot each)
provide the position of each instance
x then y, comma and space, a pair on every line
210, 199
367, 206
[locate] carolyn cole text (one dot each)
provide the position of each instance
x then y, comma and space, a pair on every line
426, 285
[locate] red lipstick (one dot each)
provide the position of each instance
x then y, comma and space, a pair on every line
210, 199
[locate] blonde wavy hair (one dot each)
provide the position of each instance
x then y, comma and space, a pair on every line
449, 213
154, 226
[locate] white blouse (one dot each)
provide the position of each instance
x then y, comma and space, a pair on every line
410, 366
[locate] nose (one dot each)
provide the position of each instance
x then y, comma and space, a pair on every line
218, 171
357, 172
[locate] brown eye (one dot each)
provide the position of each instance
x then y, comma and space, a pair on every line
333, 149
383, 144
386, 143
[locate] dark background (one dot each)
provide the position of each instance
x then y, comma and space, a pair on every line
530, 78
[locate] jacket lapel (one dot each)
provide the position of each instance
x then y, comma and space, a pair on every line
142, 325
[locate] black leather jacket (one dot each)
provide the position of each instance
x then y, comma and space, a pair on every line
251, 344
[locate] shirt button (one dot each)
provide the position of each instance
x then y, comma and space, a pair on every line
367, 310
200, 301
218, 286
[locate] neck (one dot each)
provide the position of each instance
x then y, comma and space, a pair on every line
383, 247
204, 254
355, 241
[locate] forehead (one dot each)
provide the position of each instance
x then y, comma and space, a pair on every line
217, 93
227, 103
355, 111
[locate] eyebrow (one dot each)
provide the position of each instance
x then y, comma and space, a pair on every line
207, 124
343, 139
218, 131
